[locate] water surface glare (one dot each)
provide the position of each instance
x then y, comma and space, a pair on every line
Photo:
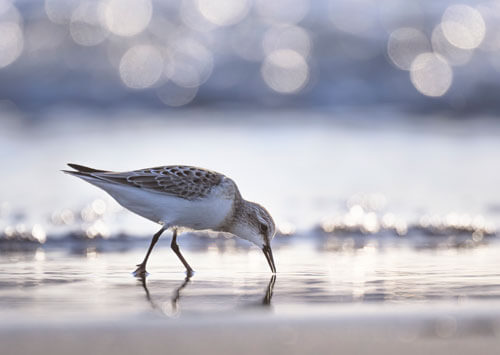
53, 284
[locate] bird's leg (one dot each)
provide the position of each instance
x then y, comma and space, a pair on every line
176, 250
141, 270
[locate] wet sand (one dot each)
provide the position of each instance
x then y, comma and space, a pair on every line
431, 329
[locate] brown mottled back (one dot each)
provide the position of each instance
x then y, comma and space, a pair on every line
177, 180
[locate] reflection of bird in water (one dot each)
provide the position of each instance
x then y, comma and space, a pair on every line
188, 197
177, 293
266, 300
175, 298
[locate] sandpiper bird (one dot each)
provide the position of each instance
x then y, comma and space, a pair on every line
179, 196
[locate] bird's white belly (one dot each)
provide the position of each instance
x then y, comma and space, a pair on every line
206, 213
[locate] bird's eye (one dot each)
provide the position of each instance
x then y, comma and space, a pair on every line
263, 228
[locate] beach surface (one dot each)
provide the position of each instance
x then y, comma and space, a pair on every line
386, 299
435, 329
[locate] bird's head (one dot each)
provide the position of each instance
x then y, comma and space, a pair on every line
256, 225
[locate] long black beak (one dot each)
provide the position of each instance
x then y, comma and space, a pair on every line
269, 256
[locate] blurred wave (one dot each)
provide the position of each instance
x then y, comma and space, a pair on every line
361, 226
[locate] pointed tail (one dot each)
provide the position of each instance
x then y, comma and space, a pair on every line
84, 169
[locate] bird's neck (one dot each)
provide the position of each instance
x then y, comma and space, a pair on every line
234, 216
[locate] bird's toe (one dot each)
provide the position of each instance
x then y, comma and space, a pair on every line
140, 271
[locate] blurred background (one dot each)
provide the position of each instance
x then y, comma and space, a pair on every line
250, 53
307, 104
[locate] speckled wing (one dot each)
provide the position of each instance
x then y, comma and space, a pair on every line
181, 181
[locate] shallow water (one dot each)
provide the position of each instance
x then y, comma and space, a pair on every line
49, 283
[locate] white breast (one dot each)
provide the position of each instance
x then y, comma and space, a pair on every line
208, 212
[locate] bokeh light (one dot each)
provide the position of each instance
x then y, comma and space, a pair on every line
285, 71
9, 13
175, 96
189, 63
39, 233
141, 66
463, 26
282, 11
490, 11
233, 44
192, 18
453, 55
127, 17
223, 12
60, 11
431, 74
405, 44
287, 37
11, 42
11, 33
85, 26
355, 16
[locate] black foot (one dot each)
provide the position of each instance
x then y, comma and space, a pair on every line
189, 272
140, 271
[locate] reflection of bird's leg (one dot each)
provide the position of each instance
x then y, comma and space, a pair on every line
176, 250
269, 291
175, 298
141, 270
177, 293
145, 287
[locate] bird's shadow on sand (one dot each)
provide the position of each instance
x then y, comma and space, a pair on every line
176, 295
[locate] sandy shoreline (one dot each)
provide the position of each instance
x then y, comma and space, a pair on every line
422, 329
